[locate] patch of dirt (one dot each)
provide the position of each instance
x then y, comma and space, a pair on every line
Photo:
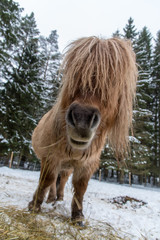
122, 200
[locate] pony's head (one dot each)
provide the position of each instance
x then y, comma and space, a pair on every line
99, 83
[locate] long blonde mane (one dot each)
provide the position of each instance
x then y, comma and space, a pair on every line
107, 69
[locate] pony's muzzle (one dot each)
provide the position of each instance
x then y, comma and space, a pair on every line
82, 122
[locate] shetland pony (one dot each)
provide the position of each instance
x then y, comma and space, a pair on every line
94, 104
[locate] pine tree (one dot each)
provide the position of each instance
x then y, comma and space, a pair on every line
141, 155
156, 103
27, 68
9, 26
130, 32
116, 34
22, 90
50, 61
9, 37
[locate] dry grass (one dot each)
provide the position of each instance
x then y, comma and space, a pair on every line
23, 225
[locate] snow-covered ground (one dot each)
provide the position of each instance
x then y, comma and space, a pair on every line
141, 221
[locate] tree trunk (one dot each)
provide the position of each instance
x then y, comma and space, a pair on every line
20, 158
105, 174
140, 179
112, 173
130, 178
121, 176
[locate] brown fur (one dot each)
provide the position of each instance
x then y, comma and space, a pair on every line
99, 73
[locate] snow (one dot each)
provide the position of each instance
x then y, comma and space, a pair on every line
133, 139
140, 221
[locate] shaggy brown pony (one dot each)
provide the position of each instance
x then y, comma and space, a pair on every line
94, 104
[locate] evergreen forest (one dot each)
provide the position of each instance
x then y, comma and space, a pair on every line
29, 83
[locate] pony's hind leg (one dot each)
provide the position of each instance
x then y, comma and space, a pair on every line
52, 193
64, 175
56, 192
48, 176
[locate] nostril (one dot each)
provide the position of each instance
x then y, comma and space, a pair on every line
71, 118
95, 120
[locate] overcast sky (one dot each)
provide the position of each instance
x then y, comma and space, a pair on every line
78, 18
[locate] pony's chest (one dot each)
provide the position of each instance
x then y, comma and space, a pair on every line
74, 161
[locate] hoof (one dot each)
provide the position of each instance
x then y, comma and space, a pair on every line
78, 218
34, 207
80, 224
56, 201
77, 215
59, 199
50, 201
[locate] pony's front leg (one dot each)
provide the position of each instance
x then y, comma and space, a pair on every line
80, 183
48, 176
